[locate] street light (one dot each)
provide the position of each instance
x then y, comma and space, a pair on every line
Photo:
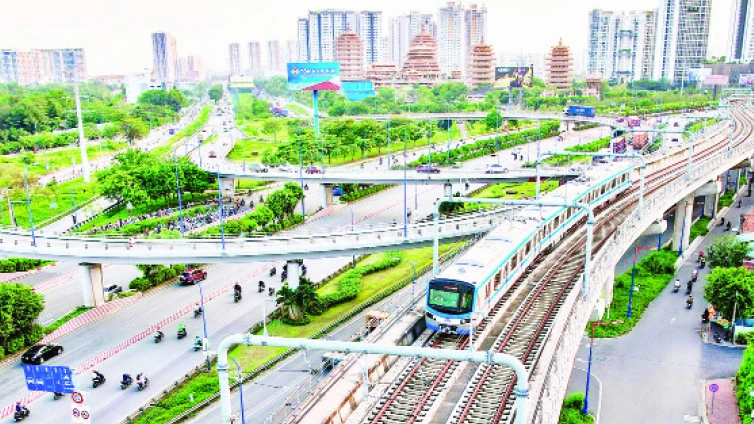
240, 388
180, 199
220, 203
28, 205
585, 410
204, 318
633, 278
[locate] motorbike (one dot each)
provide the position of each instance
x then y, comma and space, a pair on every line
57, 395
22, 414
98, 381
694, 276
702, 263
303, 269
688, 289
198, 346
689, 304
261, 286
272, 291
283, 276
676, 288
197, 312
236, 296
182, 334
273, 271
126, 383
158, 337
143, 384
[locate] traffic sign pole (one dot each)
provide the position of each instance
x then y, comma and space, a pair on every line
713, 388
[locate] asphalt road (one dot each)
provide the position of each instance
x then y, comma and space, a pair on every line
223, 316
653, 373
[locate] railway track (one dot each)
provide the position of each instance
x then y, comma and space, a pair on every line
527, 312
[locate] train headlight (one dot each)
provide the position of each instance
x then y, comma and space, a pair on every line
465, 320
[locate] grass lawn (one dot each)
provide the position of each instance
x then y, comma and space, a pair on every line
251, 358
699, 228
44, 163
65, 318
254, 129
498, 191
47, 202
298, 110
250, 150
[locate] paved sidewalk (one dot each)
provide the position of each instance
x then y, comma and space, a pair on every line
725, 408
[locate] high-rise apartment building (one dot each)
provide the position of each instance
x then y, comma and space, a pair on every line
681, 39
42, 66
450, 44
474, 29
403, 29
349, 53
291, 51
369, 29
560, 67
191, 68
165, 54
742, 32
234, 53
318, 32
255, 58
621, 44
276, 61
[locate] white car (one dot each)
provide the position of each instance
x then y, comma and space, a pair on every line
285, 168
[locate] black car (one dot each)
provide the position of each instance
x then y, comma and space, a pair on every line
41, 353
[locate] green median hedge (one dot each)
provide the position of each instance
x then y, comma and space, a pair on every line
356, 195
20, 264
350, 283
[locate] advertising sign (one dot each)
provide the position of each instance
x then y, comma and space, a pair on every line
696, 75
314, 76
746, 79
516, 77
45, 378
718, 80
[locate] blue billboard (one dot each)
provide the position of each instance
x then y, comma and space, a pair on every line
314, 76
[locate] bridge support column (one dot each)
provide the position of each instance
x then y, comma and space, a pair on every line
682, 225
294, 273
710, 205
92, 284
448, 190
229, 187
327, 195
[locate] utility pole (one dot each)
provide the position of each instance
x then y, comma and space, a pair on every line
85, 169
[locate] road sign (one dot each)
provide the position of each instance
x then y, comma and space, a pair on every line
45, 378
714, 387
76, 414
85, 414
77, 397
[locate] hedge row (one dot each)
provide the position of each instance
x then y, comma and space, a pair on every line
248, 226
350, 283
592, 147
356, 195
155, 275
20, 264
150, 224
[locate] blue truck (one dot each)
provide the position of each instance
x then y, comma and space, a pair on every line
585, 111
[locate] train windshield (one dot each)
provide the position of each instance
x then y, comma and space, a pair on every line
450, 297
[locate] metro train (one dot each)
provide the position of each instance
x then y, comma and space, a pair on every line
465, 292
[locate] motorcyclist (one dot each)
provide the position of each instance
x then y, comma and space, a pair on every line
261, 285
141, 379
677, 284
198, 343
19, 407
694, 275
97, 376
689, 286
237, 288
690, 301
158, 333
127, 379
181, 329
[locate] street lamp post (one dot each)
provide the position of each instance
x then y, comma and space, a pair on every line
28, 204
585, 410
220, 203
240, 388
633, 279
180, 198
204, 319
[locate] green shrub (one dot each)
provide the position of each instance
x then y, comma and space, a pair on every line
745, 381
20, 264
139, 284
699, 229
350, 283
2, 352
34, 335
571, 413
16, 344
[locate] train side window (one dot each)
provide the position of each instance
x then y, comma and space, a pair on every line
498, 279
514, 261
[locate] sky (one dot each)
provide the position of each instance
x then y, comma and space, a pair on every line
116, 33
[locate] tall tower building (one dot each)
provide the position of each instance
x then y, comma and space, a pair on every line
481, 65
742, 32
475, 29
276, 62
255, 58
403, 29
621, 45
450, 38
318, 32
682, 37
560, 67
349, 52
291, 52
42, 66
165, 54
191, 68
369, 29
234, 51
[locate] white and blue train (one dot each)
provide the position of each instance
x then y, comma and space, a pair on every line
469, 288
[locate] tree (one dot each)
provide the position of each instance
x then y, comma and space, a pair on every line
731, 287
493, 120
133, 129
287, 298
216, 92
271, 126
727, 252
19, 309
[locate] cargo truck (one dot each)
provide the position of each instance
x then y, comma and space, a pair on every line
585, 111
